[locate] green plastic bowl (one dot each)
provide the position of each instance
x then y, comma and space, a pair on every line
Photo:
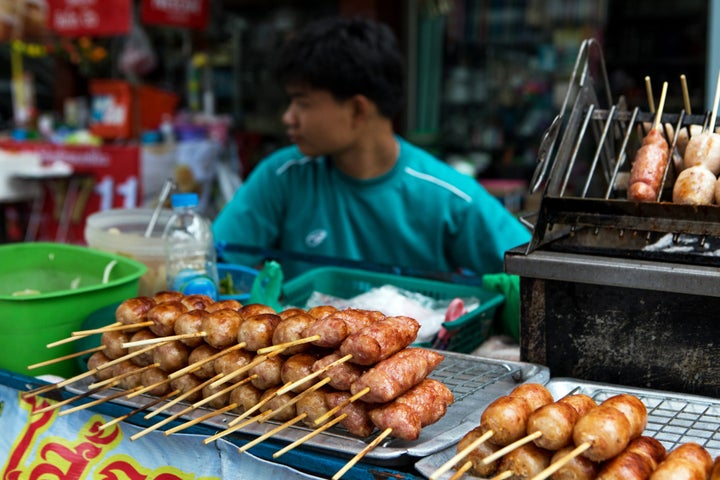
46, 292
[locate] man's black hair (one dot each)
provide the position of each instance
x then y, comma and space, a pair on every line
346, 56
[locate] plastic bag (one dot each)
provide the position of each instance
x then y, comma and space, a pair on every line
137, 57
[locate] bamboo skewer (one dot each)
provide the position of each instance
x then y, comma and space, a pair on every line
123, 375
139, 409
658, 114
235, 427
649, 92
562, 461
362, 453
340, 406
685, 94
283, 346
223, 391
181, 397
115, 395
66, 357
66, 340
194, 366
509, 448
169, 338
115, 327
310, 435
297, 398
147, 388
256, 361
272, 432
462, 470
503, 475
300, 381
461, 455
68, 400
201, 418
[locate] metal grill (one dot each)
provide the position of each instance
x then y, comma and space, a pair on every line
584, 162
474, 381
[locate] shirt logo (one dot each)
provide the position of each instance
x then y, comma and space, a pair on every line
315, 238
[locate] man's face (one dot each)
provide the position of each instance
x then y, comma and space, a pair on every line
318, 123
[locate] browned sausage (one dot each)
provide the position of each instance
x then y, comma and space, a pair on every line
581, 402
648, 447
715, 472
357, 421
555, 422
163, 315
314, 405
256, 331
96, 360
230, 303
246, 396
158, 378
525, 461
341, 375
289, 312
276, 402
695, 454
196, 301
221, 327
336, 327
694, 186
578, 468
420, 406
171, 356
217, 402
321, 311
476, 456
127, 382
535, 394
198, 354
634, 410
677, 469
291, 329
397, 374
190, 322
231, 362
380, 339
648, 168
606, 429
626, 466
185, 384
255, 309
268, 373
113, 341
145, 358
296, 368
133, 310
507, 417
167, 296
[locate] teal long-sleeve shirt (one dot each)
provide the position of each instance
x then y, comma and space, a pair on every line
422, 214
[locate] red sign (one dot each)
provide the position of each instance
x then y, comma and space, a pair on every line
103, 178
179, 13
75, 18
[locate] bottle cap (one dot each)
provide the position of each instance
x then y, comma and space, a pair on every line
184, 200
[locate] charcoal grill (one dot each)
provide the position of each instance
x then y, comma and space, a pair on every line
614, 290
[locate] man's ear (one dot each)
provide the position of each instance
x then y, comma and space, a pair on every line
362, 107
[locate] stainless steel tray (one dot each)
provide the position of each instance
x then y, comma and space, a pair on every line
673, 418
475, 382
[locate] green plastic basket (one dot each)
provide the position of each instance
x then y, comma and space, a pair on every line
465, 333
46, 292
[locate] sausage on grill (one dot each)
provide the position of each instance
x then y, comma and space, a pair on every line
231, 362
221, 327
357, 421
341, 375
290, 330
606, 428
507, 417
257, 331
297, 367
422, 405
476, 456
163, 315
555, 422
648, 168
380, 339
145, 358
336, 327
134, 310
198, 354
578, 468
190, 322
397, 374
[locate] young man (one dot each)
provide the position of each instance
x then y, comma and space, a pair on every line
349, 187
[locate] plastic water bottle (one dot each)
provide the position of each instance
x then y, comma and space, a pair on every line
190, 256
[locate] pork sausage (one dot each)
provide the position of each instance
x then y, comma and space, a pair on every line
341, 375
268, 373
695, 454
648, 168
507, 417
555, 422
606, 429
256, 331
221, 327
581, 402
113, 341
626, 466
196, 301
578, 468
145, 358
185, 384
190, 322
297, 367
198, 354
96, 360
314, 405
134, 310
677, 468
420, 406
231, 362
290, 330
380, 339
397, 374
694, 186
230, 303
158, 378
171, 356
167, 296
536, 394
648, 447
337, 326
525, 462
246, 396
276, 402
634, 410
357, 421
476, 456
